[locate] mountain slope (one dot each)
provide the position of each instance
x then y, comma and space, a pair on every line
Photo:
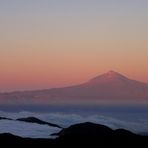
110, 86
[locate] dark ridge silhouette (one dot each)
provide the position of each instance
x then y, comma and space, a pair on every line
4, 118
95, 135
32, 120
85, 129
82, 135
38, 121
8, 139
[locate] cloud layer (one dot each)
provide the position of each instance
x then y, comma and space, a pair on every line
34, 130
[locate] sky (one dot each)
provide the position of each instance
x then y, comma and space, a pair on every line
54, 43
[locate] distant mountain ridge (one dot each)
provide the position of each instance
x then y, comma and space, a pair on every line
37, 121
32, 120
107, 88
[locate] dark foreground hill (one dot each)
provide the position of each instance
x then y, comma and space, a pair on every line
81, 135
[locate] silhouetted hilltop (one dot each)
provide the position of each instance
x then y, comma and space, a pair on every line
85, 129
95, 135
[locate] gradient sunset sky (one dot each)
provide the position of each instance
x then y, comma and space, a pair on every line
54, 43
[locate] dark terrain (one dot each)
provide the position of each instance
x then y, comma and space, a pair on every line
84, 135
38, 121
32, 120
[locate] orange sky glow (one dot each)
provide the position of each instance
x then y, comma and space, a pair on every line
55, 44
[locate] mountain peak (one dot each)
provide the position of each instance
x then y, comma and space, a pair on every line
109, 76
112, 73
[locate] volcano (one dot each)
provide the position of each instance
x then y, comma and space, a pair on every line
109, 87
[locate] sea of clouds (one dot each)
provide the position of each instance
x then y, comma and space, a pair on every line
35, 130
